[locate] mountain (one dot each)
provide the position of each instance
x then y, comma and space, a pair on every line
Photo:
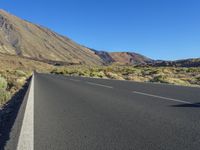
36, 43
129, 58
22, 38
123, 57
28, 40
105, 56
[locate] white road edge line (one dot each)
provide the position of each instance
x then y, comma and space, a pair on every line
92, 83
161, 97
26, 137
74, 80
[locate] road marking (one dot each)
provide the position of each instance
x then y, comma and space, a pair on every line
91, 83
26, 137
161, 97
74, 80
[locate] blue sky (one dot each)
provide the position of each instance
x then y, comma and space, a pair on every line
160, 29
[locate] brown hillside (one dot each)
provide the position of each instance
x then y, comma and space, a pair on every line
129, 58
22, 38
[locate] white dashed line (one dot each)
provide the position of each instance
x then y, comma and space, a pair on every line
106, 86
161, 97
26, 138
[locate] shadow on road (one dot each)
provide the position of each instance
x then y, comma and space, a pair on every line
9, 113
194, 105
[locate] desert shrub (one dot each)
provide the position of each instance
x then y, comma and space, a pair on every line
191, 70
177, 81
10, 82
3, 83
21, 81
130, 70
198, 78
4, 96
80, 73
57, 71
167, 70
170, 80
112, 75
108, 69
74, 72
137, 78
181, 70
146, 71
159, 78
54, 71
172, 75
97, 74
20, 73
155, 71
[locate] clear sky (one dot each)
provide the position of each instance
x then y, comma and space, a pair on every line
160, 29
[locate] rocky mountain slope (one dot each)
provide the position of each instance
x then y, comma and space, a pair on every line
122, 57
129, 58
22, 38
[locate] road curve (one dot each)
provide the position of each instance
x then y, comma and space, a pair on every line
94, 114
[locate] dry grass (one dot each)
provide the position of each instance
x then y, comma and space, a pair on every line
17, 63
14, 71
11, 82
169, 75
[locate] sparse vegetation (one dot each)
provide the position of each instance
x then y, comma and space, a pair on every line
4, 94
10, 82
13, 79
168, 75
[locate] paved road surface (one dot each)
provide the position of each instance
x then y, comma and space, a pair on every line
74, 113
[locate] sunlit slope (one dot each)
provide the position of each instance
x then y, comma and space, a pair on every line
23, 38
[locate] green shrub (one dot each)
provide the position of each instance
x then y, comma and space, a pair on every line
191, 70
4, 96
198, 78
97, 74
20, 73
160, 79
3, 83
172, 75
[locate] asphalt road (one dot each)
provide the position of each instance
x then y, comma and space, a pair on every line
85, 113
94, 114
